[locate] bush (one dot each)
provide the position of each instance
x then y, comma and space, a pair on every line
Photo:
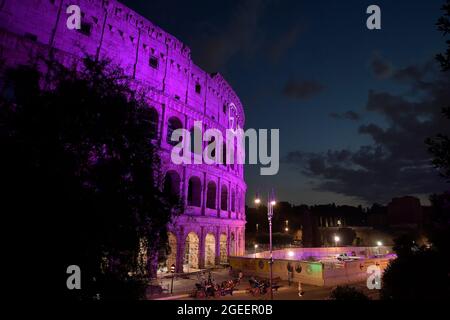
348, 293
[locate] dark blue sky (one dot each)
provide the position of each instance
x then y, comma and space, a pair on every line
353, 105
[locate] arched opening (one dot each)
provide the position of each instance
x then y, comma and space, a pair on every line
212, 148
191, 252
211, 195
171, 186
232, 244
173, 124
196, 148
224, 198
172, 257
210, 250
233, 201
223, 248
224, 154
150, 116
194, 192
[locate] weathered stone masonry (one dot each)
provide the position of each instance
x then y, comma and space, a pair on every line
179, 93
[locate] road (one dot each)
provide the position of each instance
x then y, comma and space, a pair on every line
182, 287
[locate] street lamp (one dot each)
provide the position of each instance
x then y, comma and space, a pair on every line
379, 244
256, 247
336, 240
270, 204
172, 271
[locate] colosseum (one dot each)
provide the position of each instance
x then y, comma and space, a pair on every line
212, 226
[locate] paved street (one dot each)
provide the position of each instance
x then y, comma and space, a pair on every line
182, 287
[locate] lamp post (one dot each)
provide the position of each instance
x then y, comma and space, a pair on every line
172, 271
270, 204
336, 240
256, 247
379, 244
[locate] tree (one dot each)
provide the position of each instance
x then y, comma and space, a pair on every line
439, 145
418, 275
81, 171
443, 25
347, 293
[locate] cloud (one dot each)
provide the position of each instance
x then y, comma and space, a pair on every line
239, 35
283, 43
397, 161
381, 68
350, 115
302, 90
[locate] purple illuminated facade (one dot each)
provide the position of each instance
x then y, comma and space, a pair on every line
213, 224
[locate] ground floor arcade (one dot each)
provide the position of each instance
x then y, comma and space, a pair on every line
203, 242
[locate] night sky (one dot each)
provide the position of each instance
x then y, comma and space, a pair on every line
353, 105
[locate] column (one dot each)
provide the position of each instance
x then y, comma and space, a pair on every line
201, 249
217, 258
205, 188
228, 240
181, 244
229, 200
218, 196
243, 241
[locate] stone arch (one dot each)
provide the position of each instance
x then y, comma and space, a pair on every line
195, 192
191, 252
233, 200
151, 117
210, 250
172, 257
193, 148
224, 198
224, 153
173, 124
223, 248
212, 146
211, 195
171, 185
232, 244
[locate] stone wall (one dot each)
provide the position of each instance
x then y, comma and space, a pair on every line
176, 89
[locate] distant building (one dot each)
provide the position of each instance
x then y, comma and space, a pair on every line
405, 212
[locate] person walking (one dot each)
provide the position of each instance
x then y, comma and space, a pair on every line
300, 291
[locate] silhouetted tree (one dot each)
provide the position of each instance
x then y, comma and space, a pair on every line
439, 145
81, 178
348, 293
443, 25
416, 275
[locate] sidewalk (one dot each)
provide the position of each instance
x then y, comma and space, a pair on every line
184, 287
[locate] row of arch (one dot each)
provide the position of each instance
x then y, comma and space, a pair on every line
191, 254
151, 117
172, 184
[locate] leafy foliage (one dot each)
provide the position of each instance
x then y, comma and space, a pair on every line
439, 145
81, 170
443, 25
347, 293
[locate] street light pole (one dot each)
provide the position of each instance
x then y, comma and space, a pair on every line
270, 215
270, 204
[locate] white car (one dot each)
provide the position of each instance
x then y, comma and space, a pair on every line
345, 257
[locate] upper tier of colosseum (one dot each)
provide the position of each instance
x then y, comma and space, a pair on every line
112, 30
